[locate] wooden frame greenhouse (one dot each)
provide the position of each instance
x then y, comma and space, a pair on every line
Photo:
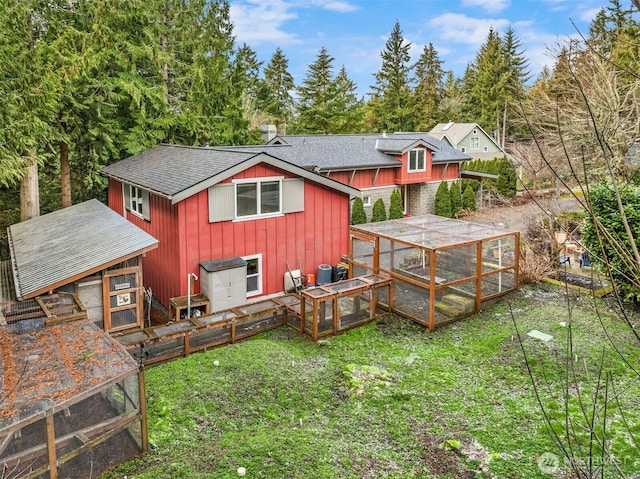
442, 269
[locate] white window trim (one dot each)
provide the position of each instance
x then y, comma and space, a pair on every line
366, 200
477, 143
424, 161
258, 181
259, 275
139, 199
485, 149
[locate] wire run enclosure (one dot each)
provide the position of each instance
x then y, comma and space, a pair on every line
443, 269
331, 308
72, 401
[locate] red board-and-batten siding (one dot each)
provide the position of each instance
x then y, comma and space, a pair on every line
379, 178
317, 235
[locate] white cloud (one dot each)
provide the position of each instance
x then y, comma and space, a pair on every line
589, 15
460, 28
257, 21
487, 5
335, 6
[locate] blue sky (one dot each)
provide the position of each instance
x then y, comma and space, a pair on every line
355, 31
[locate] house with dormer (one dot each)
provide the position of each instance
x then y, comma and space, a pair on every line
266, 209
468, 138
376, 164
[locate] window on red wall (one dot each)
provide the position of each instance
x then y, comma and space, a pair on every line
417, 160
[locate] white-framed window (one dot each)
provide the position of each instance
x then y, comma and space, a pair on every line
463, 149
485, 149
258, 197
475, 143
254, 274
136, 200
223, 199
417, 160
366, 200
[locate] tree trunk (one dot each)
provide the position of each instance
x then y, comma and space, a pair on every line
504, 126
65, 174
30, 194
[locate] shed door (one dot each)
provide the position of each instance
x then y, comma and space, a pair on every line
123, 304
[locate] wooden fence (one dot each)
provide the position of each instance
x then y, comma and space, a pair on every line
321, 311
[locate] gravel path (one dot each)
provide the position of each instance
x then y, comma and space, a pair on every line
518, 216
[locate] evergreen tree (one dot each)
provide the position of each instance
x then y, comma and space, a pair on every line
516, 76
390, 104
452, 98
456, 199
379, 211
469, 199
29, 92
395, 205
316, 112
248, 85
358, 215
485, 83
443, 201
349, 111
429, 92
275, 96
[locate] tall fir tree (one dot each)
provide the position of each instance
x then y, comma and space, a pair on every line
327, 104
349, 110
248, 85
485, 84
29, 94
429, 91
316, 96
516, 76
275, 95
452, 98
391, 100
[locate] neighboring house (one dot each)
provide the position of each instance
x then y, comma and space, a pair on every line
468, 138
377, 164
85, 249
213, 208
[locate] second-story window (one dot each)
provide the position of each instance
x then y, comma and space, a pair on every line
258, 198
417, 160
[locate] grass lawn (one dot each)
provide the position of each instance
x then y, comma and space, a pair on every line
392, 400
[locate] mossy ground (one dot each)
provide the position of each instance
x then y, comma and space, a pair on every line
390, 399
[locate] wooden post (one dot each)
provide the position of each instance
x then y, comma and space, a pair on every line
51, 445
187, 348
479, 276
316, 319
432, 290
144, 431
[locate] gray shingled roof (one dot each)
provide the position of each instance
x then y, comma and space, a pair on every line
177, 172
169, 169
335, 152
51, 250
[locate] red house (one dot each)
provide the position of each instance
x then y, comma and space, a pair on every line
218, 208
415, 163
256, 211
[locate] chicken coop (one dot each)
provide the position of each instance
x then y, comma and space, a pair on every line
72, 400
442, 269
